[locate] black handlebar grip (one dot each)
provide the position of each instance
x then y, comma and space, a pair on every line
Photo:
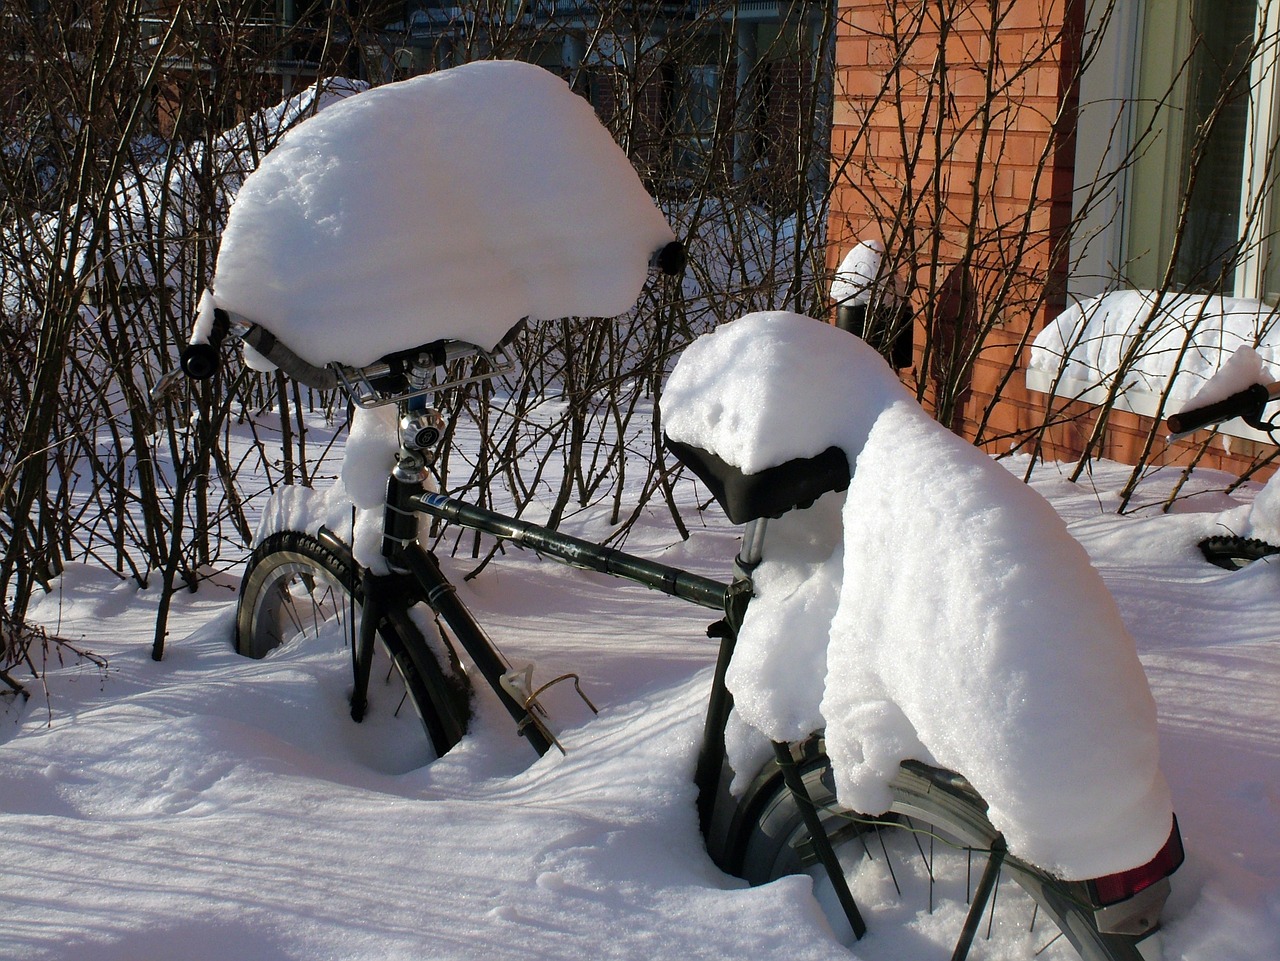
670, 259
1244, 403
201, 361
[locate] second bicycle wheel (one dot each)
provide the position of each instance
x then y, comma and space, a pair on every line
914, 871
298, 590
1234, 553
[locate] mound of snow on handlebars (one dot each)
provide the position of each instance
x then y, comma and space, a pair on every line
955, 619
452, 205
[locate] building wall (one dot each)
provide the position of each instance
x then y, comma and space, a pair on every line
1002, 203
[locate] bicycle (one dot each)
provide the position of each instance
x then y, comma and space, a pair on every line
1232, 551
934, 838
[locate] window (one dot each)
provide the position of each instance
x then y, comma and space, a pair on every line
1182, 103
1177, 159
698, 106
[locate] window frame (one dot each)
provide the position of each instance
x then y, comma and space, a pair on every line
1112, 121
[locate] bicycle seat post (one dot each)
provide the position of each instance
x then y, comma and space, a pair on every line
752, 550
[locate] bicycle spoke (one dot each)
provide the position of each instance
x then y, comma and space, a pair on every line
1052, 941
889, 861
316, 619
289, 609
862, 836
925, 859
991, 918
968, 875
931, 880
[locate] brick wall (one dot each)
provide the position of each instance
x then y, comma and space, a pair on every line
1001, 203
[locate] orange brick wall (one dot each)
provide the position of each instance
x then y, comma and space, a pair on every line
1021, 176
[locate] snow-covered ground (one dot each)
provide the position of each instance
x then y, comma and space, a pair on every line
213, 807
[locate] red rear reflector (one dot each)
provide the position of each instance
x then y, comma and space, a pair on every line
1117, 887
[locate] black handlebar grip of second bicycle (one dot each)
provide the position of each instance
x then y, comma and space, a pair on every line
1244, 403
670, 259
201, 361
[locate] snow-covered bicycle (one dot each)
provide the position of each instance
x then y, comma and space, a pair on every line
410, 640
390, 275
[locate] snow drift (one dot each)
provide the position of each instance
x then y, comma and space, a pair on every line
1149, 338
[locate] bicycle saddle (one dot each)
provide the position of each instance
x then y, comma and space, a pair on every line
770, 492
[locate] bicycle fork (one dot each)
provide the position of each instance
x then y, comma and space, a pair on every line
401, 547
362, 652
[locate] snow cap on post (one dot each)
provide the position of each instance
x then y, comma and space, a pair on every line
447, 206
859, 275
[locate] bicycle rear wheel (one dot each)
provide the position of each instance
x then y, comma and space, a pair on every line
299, 590
915, 870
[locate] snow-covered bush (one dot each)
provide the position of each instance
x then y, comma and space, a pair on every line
103, 263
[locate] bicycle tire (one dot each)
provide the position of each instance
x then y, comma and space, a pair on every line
936, 829
1232, 552
296, 588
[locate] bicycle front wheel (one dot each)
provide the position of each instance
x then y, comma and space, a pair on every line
916, 870
299, 591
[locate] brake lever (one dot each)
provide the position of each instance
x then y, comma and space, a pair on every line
167, 386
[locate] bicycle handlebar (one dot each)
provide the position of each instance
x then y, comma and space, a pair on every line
308, 374
670, 259
201, 358
1247, 403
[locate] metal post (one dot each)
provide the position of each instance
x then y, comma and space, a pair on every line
371, 614
752, 549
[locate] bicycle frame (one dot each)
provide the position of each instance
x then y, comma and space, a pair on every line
406, 380
406, 498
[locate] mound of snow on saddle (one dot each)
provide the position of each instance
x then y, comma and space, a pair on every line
447, 206
954, 618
